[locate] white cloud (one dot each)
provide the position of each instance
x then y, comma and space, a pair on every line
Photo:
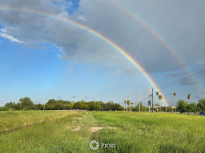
116, 74
80, 17
3, 30
12, 39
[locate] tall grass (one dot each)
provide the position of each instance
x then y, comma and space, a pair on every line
51, 136
132, 132
147, 132
14, 119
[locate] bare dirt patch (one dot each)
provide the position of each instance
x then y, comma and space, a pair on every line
76, 128
94, 129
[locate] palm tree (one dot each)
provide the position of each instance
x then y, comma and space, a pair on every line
160, 98
130, 106
128, 103
189, 97
174, 100
157, 93
125, 104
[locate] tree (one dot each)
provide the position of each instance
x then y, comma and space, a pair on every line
142, 108
157, 93
201, 105
192, 107
52, 102
129, 104
182, 105
174, 100
125, 105
189, 97
160, 98
26, 102
77, 105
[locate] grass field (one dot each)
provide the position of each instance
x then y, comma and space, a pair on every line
64, 131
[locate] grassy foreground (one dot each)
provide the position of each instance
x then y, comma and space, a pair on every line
131, 132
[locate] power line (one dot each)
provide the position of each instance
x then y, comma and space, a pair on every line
183, 91
188, 89
185, 79
173, 83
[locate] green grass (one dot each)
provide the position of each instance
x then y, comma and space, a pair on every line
14, 119
147, 132
132, 132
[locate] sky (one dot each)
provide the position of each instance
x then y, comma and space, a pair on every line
47, 58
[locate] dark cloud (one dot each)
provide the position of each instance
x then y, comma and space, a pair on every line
173, 75
197, 97
183, 28
129, 70
188, 81
74, 97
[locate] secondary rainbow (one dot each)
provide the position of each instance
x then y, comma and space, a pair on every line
152, 31
100, 36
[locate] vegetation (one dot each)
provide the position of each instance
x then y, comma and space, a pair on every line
27, 104
189, 97
129, 131
147, 132
14, 119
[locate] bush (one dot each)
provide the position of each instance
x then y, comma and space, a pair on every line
4, 108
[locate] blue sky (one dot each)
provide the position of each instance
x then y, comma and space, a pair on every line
60, 61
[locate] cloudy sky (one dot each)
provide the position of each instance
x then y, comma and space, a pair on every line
43, 56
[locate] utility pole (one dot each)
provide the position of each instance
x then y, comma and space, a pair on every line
149, 98
139, 102
152, 101
67, 102
126, 103
44, 105
120, 102
130, 103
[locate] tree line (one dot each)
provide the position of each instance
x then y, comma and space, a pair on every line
27, 104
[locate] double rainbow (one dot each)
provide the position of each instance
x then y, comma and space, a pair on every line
100, 36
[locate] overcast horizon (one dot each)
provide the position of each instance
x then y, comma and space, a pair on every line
47, 58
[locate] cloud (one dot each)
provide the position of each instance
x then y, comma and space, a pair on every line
59, 97
80, 17
3, 30
176, 74
173, 75
74, 97
187, 81
197, 97
12, 39
77, 45
109, 64
116, 74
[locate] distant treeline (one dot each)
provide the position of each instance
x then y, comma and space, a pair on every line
27, 104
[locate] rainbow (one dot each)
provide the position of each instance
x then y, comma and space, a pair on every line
153, 32
150, 30
100, 36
